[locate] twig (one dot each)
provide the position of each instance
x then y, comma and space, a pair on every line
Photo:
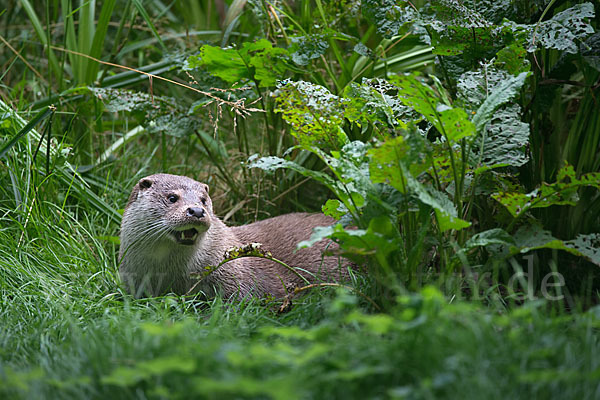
236, 105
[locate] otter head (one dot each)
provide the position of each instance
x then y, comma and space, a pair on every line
176, 206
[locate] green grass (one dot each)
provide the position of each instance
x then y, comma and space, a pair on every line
68, 331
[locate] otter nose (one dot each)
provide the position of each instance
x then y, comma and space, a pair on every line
197, 212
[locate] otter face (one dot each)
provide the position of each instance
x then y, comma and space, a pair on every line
179, 205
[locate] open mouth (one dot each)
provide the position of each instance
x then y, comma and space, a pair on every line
187, 237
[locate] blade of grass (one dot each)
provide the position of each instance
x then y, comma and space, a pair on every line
146, 17
85, 35
70, 37
99, 36
26, 129
39, 30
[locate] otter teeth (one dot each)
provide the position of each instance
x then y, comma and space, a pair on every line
187, 236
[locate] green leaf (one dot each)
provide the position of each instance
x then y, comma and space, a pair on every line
458, 29
505, 140
533, 237
513, 59
455, 13
306, 48
385, 163
334, 208
587, 245
459, 40
350, 166
227, 64
492, 10
451, 122
389, 16
564, 30
455, 123
378, 239
316, 115
260, 61
502, 138
498, 96
562, 192
388, 166
375, 102
492, 236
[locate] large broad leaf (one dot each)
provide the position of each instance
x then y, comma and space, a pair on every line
388, 16
258, 61
501, 136
492, 10
562, 192
315, 114
385, 163
453, 123
533, 237
306, 48
458, 29
455, 13
565, 30
391, 156
504, 141
513, 59
499, 95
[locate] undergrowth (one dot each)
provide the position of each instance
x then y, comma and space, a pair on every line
67, 331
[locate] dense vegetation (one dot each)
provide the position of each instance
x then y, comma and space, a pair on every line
460, 139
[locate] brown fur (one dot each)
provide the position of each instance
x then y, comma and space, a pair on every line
153, 262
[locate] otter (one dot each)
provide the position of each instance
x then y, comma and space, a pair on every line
169, 231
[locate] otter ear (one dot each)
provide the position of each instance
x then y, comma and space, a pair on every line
145, 183
205, 186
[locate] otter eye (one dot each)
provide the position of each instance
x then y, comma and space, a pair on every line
173, 198
203, 200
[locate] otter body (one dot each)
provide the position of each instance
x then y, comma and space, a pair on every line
169, 230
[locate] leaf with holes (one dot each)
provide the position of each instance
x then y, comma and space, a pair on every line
389, 16
304, 49
562, 192
533, 237
564, 30
315, 114
498, 96
451, 122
